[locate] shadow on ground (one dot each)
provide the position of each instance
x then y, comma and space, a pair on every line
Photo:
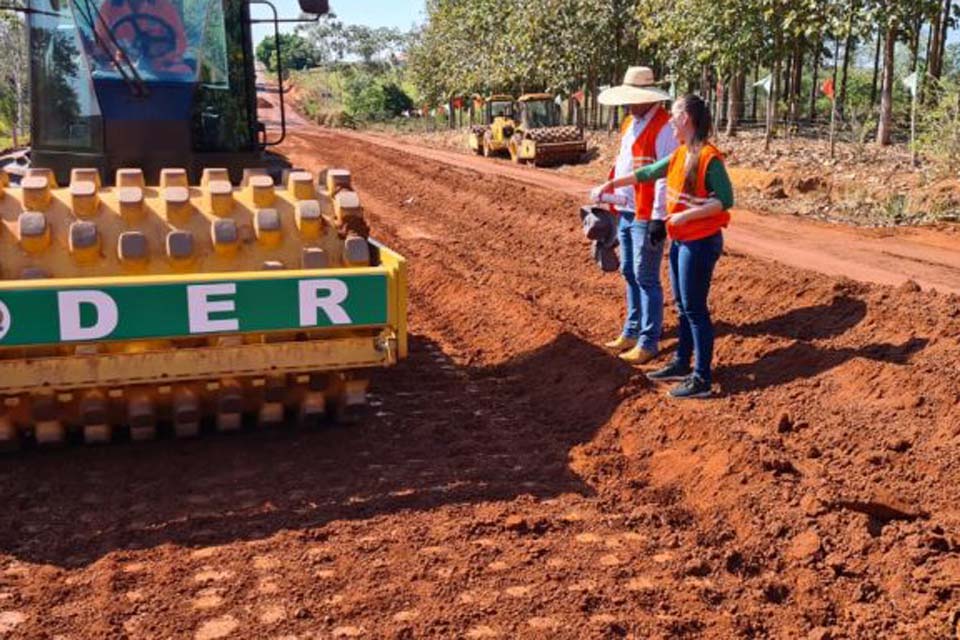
435, 434
803, 358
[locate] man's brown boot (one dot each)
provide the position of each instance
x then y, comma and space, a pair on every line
637, 355
620, 345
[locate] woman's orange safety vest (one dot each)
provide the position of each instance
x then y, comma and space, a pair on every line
678, 200
644, 153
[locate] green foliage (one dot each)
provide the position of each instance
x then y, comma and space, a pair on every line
296, 52
862, 126
951, 62
8, 109
335, 42
14, 76
368, 97
396, 100
940, 129
511, 46
364, 77
486, 46
61, 101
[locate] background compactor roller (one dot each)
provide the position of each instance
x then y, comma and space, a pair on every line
158, 267
541, 137
493, 135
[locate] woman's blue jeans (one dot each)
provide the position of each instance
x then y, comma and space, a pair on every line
691, 269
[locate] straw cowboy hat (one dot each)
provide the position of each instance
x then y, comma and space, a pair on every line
639, 87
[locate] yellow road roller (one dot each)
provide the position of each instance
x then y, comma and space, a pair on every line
161, 271
493, 135
540, 137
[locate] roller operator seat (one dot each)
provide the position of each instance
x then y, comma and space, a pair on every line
151, 32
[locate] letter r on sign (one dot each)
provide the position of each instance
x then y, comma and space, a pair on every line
311, 300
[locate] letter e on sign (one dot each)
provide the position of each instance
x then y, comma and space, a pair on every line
200, 306
326, 294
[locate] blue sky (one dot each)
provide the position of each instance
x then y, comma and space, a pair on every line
379, 13
402, 14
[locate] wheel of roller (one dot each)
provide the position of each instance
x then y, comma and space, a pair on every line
348, 394
487, 147
9, 437
478, 134
536, 136
515, 151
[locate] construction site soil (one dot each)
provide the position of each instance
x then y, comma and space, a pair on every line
512, 480
863, 185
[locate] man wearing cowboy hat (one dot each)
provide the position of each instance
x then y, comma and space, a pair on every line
645, 139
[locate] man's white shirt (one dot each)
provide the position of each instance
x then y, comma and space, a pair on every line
626, 163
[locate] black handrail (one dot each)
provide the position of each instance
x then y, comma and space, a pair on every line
276, 40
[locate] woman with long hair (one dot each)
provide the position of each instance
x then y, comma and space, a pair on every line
699, 197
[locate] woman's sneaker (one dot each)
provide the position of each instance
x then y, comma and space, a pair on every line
692, 387
673, 371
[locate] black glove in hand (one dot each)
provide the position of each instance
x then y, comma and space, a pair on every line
657, 230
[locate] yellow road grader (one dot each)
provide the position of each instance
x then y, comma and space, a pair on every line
540, 137
160, 270
493, 136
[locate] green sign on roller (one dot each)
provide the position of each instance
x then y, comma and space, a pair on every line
43, 316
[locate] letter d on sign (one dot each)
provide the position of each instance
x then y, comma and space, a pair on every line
310, 301
70, 303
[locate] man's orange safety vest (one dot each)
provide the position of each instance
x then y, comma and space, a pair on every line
644, 153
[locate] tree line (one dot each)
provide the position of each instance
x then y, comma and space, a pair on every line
329, 41
14, 78
349, 72
720, 49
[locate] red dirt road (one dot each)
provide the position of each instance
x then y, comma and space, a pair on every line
511, 480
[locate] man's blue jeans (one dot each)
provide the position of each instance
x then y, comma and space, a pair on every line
640, 265
691, 269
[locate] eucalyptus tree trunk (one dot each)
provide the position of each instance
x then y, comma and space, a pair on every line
816, 77
772, 104
734, 100
742, 92
876, 68
884, 128
842, 92
847, 54
940, 52
796, 78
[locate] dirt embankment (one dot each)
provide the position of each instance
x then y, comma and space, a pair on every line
862, 185
510, 480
